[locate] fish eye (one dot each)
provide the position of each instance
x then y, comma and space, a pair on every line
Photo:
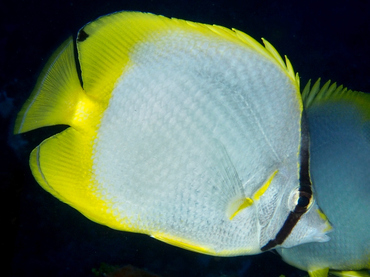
301, 201
304, 202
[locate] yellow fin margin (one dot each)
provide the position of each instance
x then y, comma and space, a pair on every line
108, 41
189, 245
62, 165
287, 66
182, 244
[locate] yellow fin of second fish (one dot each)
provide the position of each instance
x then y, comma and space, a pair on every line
354, 273
62, 165
332, 92
322, 272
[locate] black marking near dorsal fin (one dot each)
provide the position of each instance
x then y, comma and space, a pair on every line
82, 35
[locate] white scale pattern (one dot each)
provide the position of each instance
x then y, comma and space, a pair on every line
190, 126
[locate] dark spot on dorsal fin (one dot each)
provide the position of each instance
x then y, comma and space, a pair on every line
82, 35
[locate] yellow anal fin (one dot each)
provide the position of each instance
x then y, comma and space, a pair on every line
322, 272
182, 244
62, 165
56, 94
193, 246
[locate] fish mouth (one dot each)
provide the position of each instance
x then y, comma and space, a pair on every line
285, 230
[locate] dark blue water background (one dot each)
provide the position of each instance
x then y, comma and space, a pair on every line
44, 237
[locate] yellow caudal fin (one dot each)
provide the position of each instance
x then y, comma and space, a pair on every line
55, 96
62, 165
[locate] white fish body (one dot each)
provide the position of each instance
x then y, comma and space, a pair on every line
187, 132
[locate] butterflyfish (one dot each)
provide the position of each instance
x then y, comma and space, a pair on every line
191, 133
339, 123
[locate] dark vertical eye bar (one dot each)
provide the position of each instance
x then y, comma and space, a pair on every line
304, 173
305, 191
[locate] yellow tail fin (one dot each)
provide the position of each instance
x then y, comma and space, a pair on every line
56, 94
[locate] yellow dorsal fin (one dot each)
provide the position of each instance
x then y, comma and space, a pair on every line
287, 66
107, 43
